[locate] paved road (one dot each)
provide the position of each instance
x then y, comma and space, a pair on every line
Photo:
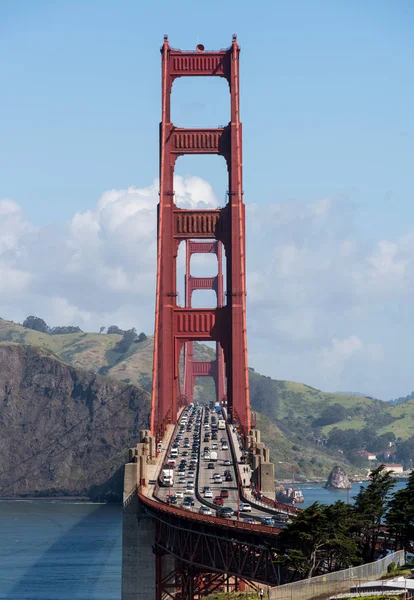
204, 475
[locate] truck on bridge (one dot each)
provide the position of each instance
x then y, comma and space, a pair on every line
167, 476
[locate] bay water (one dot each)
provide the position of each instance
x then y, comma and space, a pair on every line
58, 550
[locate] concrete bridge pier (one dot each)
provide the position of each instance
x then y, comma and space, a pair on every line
263, 470
138, 558
138, 529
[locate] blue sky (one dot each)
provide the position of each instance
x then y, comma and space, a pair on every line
327, 111
326, 105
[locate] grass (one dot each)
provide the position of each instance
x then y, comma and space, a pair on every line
310, 463
290, 404
355, 423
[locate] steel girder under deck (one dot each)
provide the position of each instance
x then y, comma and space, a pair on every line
243, 555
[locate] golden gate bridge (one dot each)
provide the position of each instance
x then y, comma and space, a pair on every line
200, 533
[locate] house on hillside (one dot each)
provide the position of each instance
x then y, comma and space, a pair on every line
367, 455
394, 468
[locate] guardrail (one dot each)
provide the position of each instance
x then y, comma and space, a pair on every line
266, 503
280, 506
182, 513
338, 581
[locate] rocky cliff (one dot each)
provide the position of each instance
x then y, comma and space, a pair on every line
63, 432
338, 479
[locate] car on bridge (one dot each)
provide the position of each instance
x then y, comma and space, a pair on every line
172, 499
268, 521
218, 500
179, 494
227, 463
191, 474
210, 465
182, 480
208, 494
224, 493
251, 521
225, 513
282, 517
205, 510
188, 502
244, 507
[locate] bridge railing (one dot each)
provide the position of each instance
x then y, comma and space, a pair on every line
264, 501
279, 506
182, 513
336, 582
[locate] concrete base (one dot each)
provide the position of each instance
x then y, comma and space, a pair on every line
267, 479
138, 559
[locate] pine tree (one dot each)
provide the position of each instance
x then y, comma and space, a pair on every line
400, 517
320, 539
371, 507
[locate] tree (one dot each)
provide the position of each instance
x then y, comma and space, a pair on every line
127, 340
400, 517
405, 452
65, 329
319, 539
142, 337
371, 507
114, 329
101, 329
36, 323
382, 442
359, 460
331, 414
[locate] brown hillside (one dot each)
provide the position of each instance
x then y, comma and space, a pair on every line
63, 431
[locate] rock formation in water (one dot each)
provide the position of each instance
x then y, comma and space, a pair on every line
338, 479
63, 432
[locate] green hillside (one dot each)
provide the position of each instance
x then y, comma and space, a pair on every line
292, 414
310, 463
290, 400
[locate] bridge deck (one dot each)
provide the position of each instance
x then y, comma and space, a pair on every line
204, 475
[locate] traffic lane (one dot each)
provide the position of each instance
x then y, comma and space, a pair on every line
206, 474
206, 477
165, 492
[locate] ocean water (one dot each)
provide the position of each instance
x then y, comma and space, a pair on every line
54, 550
315, 492
60, 551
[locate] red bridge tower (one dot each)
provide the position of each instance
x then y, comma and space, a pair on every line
195, 368
177, 327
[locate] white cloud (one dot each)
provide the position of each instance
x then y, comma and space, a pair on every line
323, 307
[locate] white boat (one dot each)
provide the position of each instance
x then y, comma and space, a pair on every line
292, 496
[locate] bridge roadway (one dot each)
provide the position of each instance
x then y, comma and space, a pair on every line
200, 543
204, 475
